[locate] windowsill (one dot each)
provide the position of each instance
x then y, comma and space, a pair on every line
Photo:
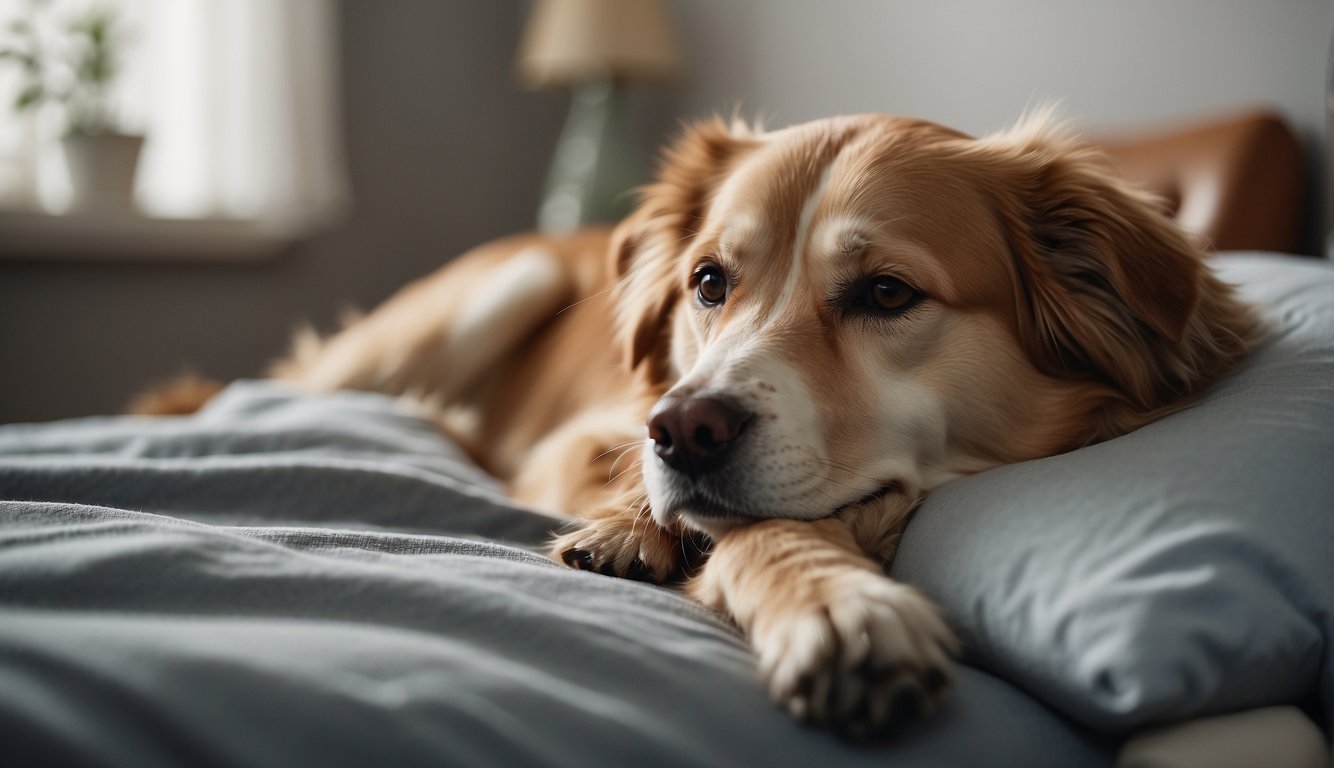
37, 236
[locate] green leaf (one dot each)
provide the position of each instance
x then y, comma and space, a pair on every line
29, 97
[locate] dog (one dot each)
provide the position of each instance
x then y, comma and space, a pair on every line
794, 337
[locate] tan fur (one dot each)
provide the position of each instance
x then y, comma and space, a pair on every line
1061, 308
178, 396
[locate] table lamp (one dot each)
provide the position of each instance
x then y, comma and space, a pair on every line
596, 48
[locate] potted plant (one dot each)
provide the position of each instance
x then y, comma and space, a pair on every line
77, 71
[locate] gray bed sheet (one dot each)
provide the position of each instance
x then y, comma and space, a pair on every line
286, 580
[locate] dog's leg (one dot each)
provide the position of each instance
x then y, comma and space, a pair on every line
437, 336
838, 642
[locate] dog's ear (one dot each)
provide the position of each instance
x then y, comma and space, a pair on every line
646, 247
1108, 284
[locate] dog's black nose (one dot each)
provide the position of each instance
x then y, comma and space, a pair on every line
694, 434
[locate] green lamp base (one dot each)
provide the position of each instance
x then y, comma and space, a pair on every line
596, 168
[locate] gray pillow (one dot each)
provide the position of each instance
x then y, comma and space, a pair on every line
1186, 568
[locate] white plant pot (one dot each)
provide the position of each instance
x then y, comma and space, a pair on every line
101, 172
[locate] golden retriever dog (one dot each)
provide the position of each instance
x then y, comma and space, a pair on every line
795, 337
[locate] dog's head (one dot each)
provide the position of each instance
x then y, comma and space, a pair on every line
871, 305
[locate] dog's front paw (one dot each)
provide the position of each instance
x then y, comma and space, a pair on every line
857, 652
624, 546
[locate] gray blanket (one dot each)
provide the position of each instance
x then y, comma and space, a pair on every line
325, 581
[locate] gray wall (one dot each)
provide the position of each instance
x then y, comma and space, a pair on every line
976, 64
445, 153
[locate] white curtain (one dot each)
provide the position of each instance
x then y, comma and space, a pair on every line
238, 100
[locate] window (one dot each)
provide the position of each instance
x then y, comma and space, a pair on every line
238, 101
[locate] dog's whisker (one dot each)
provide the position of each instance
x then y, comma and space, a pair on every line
846, 468
587, 298
633, 466
612, 474
830, 478
816, 487
641, 514
855, 474
817, 480
825, 494
617, 447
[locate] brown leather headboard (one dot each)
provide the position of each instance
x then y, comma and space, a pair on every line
1238, 181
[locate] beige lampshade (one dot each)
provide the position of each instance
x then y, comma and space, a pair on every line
574, 41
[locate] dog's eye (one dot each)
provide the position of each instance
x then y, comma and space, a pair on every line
879, 296
710, 285
889, 294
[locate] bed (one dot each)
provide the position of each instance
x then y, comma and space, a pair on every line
294, 580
